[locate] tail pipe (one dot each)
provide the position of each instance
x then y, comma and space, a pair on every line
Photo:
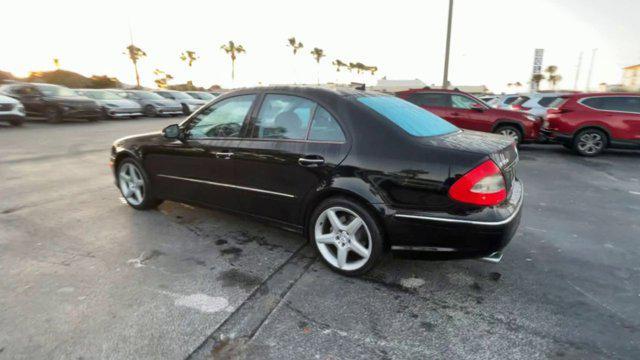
493, 258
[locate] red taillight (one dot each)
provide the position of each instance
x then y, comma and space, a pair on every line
484, 185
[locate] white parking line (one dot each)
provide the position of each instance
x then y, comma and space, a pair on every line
634, 192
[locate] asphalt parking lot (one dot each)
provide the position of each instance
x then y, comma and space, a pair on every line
86, 277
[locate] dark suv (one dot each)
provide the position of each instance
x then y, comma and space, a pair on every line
52, 102
468, 112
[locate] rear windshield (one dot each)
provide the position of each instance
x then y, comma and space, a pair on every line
547, 101
411, 118
557, 102
520, 100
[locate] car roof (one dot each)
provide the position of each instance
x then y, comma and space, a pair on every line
594, 94
310, 91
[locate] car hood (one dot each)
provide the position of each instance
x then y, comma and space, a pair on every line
505, 113
121, 103
7, 100
165, 102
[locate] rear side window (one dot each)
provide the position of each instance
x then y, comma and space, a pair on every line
324, 127
510, 99
412, 119
520, 100
430, 99
557, 102
283, 117
614, 103
547, 101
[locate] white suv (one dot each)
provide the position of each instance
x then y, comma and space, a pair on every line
11, 110
535, 104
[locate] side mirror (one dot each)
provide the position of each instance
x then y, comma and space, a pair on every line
477, 107
171, 131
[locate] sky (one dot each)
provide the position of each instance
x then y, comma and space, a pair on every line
492, 41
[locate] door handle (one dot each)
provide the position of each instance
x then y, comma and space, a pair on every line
224, 155
311, 161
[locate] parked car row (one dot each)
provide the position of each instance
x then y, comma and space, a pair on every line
55, 103
587, 123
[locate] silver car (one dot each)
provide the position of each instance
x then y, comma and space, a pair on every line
189, 103
112, 105
535, 103
152, 103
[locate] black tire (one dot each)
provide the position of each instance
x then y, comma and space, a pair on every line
52, 114
150, 111
16, 122
185, 109
149, 201
374, 229
510, 131
590, 142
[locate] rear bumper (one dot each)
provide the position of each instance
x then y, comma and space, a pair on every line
445, 236
555, 136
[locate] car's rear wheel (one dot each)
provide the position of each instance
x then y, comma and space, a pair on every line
590, 142
134, 185
16, 122
150, 111
52, 114
511, 132
347, 237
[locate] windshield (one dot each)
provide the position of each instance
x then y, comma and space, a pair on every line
102, 95
52, 90
181, 95
411, 118
202, 95
148, 95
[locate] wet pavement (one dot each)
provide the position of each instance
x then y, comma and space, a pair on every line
85, 276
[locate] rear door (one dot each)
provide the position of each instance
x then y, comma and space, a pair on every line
620, 113
292, 145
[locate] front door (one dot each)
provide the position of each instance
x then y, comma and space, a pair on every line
472, 115
200, 168
292, 145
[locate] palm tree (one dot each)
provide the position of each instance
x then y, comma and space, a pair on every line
553, 78
56, 63
339, 64
295, 45
189, 57
233, 50
536, 79
318, 54
135, 53
163, 78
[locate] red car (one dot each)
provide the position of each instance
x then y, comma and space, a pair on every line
590, 122
468, 112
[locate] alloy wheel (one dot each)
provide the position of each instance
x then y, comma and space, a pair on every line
131, 184
510, 133
590, 143
343, 238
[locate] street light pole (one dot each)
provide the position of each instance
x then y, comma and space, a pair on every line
445, 78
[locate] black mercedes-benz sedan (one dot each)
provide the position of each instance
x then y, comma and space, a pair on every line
359, 173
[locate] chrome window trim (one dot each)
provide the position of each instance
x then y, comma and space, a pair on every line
605, 96
226, 185
461, 221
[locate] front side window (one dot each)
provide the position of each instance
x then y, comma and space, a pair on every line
283, 117
462, 102
430, 99
412, 119
222, 119
509, 100
324, 127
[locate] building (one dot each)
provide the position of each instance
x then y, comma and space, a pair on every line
393, 86
631, 78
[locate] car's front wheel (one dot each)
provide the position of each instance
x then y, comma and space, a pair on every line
52, 114
150, 111
347, 237
134, 185
590, 142
511, 132
16, 122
